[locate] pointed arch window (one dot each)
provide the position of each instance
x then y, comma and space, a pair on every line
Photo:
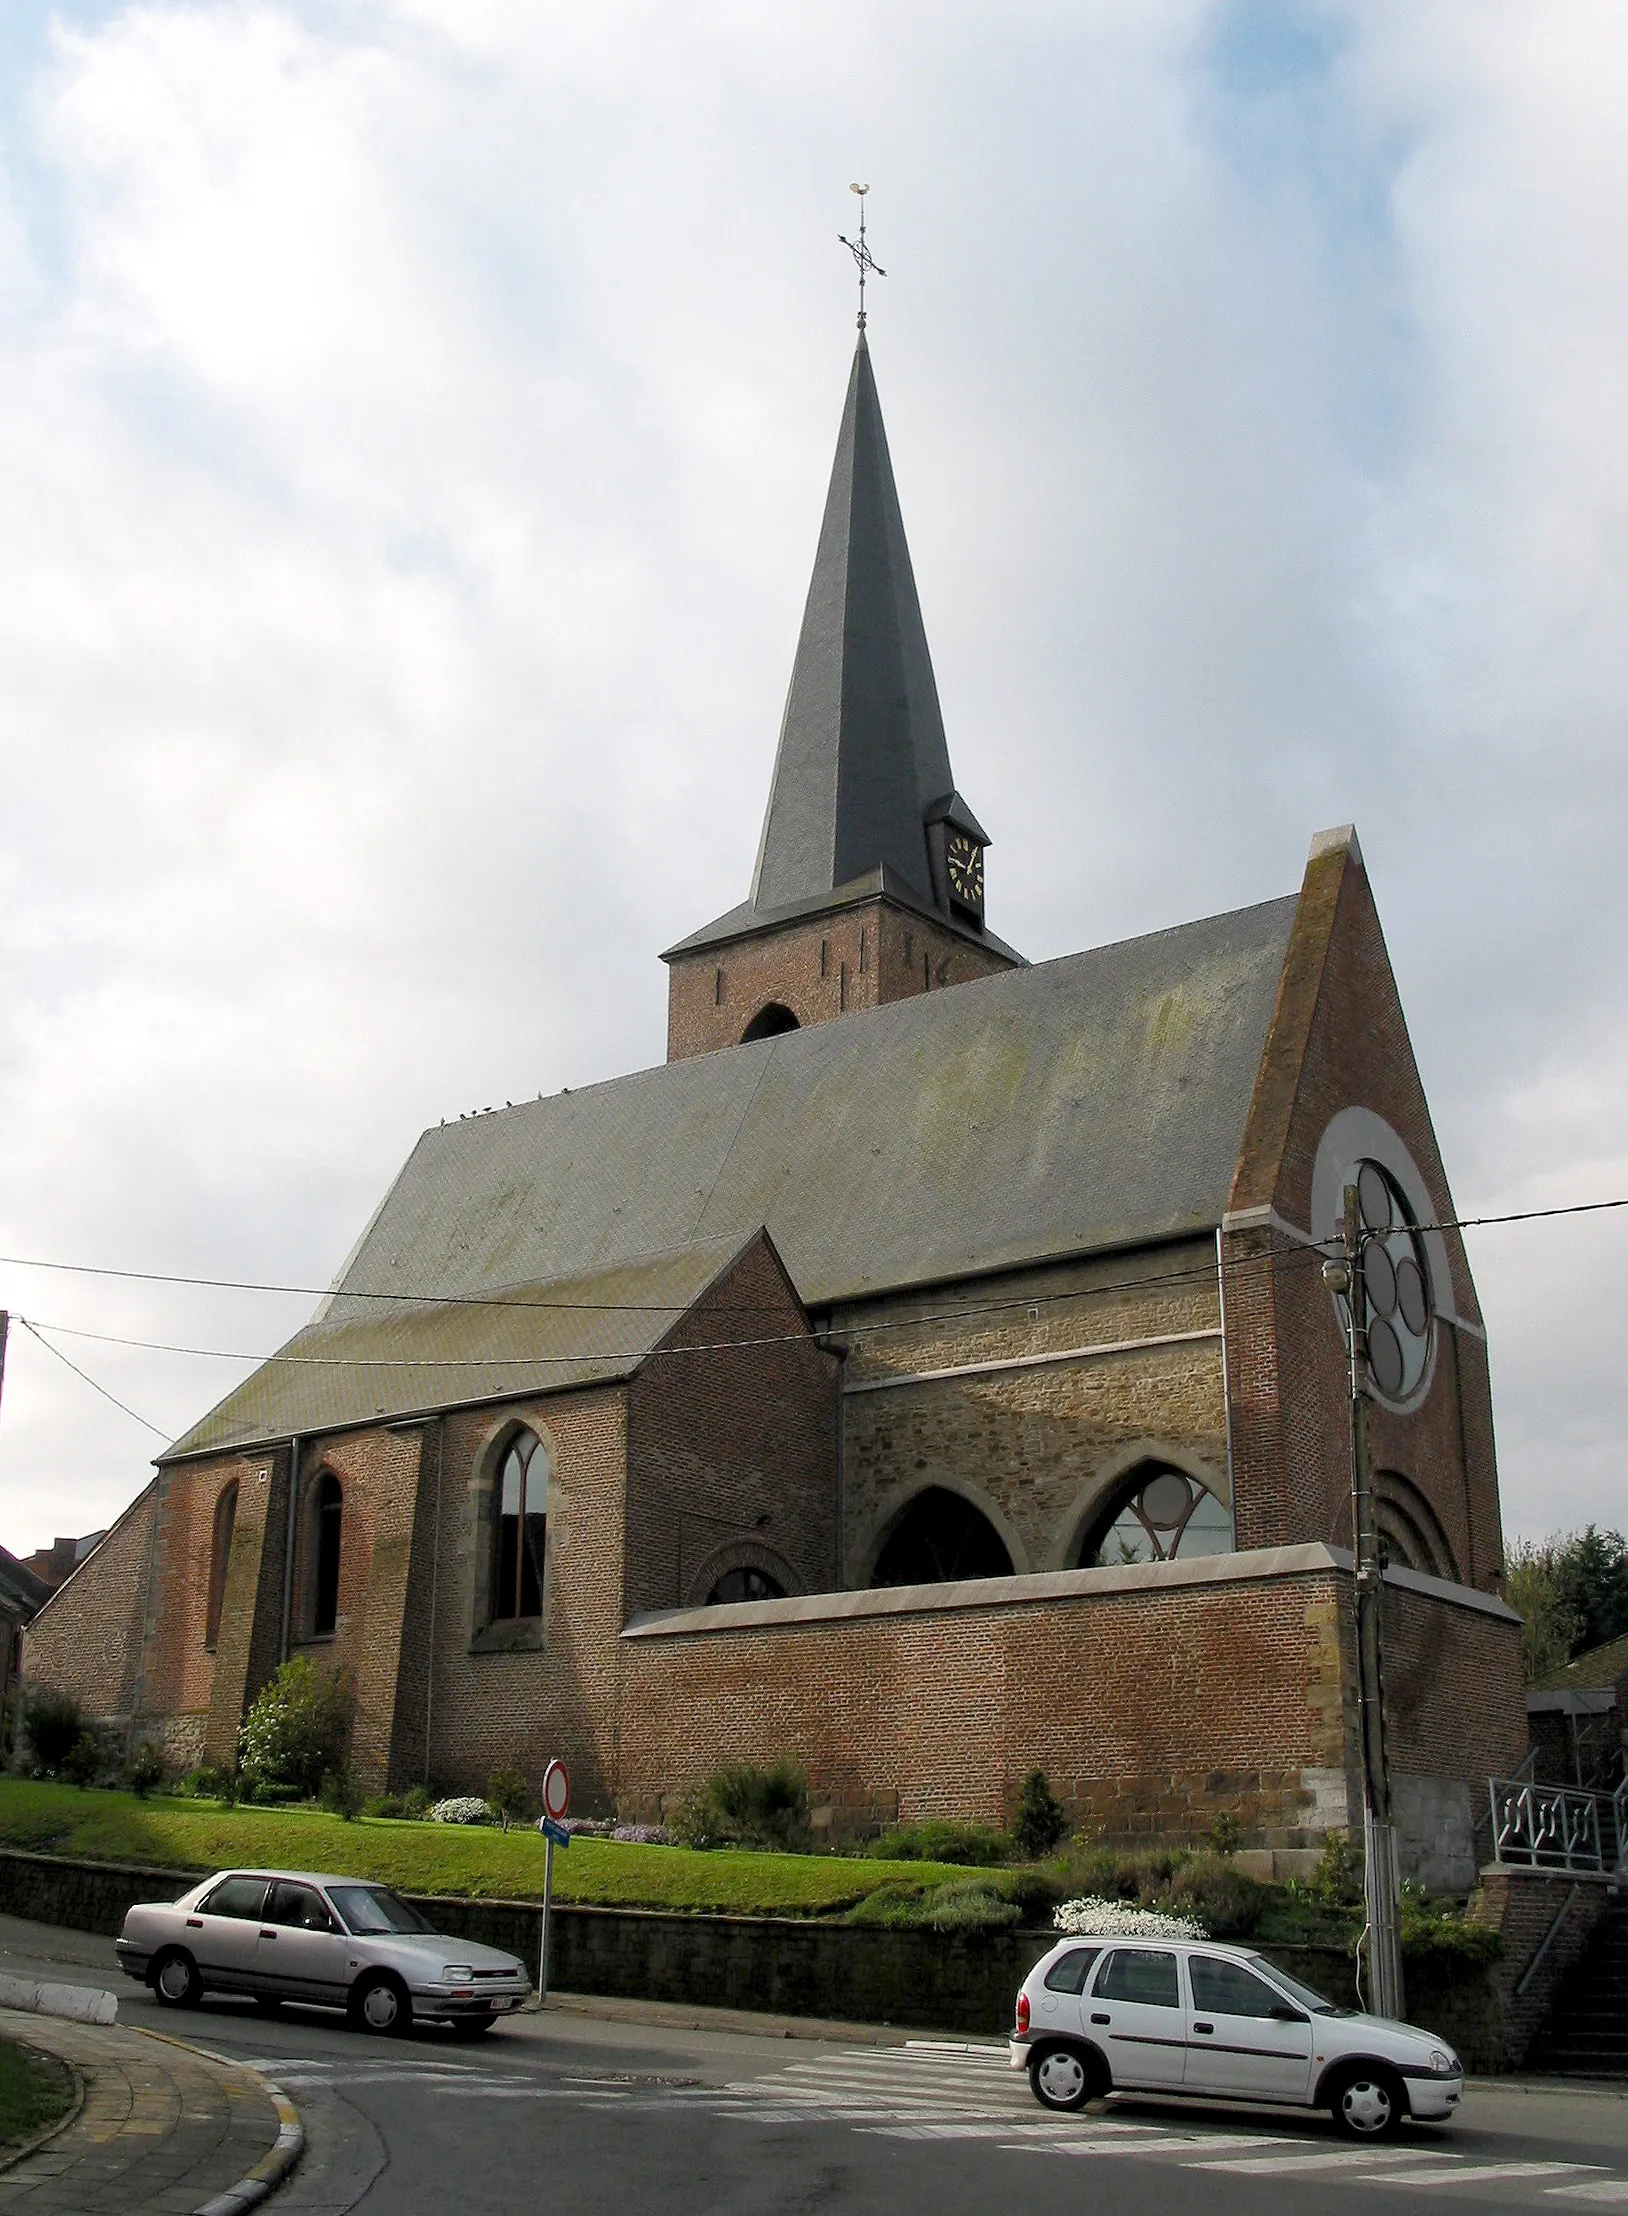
521, 1530
327, 1538
1158, 1514
220, 1555
941, 1537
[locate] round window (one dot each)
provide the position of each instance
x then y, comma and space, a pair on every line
1397, 1277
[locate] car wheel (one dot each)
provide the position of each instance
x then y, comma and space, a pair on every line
1063, 2078
471, 2027
1367, 2103
380, 2004
176, 1983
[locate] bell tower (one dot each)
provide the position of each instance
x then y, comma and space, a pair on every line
869, 883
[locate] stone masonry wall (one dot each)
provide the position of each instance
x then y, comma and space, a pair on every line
87, 1641
849, 958
1040, 1448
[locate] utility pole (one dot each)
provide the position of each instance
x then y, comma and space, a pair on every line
1382, 1938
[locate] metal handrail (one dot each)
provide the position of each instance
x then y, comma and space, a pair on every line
1619, 1822
1555, 1827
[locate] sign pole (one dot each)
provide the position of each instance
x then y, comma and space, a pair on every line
548, 1898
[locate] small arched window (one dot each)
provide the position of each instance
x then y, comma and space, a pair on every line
521, 1535
745, 1584
220, 1555
1158, 1514
327, 1533
769, 1022
940, 1537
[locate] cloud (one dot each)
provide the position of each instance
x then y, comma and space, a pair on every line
413, 424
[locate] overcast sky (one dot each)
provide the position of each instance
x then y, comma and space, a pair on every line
414, 420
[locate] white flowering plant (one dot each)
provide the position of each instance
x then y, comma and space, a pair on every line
1100, 1919
464, 1808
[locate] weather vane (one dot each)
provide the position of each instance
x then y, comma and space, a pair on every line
862, 253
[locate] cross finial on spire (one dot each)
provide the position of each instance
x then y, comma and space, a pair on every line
862, 253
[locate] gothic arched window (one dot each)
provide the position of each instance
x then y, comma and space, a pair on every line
1156, 1515
745, 1583
220, 1555
941, 1537
520, 1531
327, 1534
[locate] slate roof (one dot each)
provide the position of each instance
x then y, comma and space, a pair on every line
1595, 1671
863, 764
22, 1594
1075, 1106
360, 1360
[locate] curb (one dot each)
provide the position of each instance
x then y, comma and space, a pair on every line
276, 2163
272, 2168
79, 2004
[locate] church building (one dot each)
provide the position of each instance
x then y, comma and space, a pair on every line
926, 1373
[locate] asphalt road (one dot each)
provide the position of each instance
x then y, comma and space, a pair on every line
580, 2109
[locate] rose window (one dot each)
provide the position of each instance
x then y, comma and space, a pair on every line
1397, 1277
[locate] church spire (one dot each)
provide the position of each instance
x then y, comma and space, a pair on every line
863, 770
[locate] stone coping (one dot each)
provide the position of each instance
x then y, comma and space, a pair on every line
1571, 1700
1253, 1566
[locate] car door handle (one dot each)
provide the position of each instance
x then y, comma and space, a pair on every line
265, 1934
194, 1923
1204, 2027
1102, 2019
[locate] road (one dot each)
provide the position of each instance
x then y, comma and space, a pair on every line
580, 2109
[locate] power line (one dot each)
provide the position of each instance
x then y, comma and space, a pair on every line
90, 1381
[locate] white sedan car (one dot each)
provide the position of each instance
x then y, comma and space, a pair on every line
1099, 2016
288, 1935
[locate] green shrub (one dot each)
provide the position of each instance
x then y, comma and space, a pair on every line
742, 1805
1226, 1834
1040, 1822
382, 1804
1434, 1930
1033, 1893
54, 1724
338, 1795
297, 1730
1337, 1882
977, 1845
963, 1904
1228, 1904
507, 1796
86, 1762
144, 1772
206, 1783
416, 1803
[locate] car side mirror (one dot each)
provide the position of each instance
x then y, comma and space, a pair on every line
1282, 2013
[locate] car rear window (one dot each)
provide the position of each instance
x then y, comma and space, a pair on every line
1068, 1973
236, 1896
370, 1909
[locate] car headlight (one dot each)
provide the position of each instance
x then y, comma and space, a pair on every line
1443, 2063
458, 1973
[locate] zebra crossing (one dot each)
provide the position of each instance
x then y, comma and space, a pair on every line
942, 2091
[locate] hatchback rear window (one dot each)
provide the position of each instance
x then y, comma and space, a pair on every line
1140, 1974
370, 1909
1068, 1973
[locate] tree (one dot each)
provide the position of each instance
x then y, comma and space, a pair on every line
1571, 1590
506, 1796
55, 1724
298, 1729
1040, 1822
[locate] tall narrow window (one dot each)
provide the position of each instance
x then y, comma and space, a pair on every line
522, 1529
220, 1554
327, 1522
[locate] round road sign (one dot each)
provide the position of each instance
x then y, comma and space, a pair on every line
556, 1791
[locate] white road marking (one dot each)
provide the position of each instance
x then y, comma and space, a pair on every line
1612, 2192
1346, 2158
1480, 2173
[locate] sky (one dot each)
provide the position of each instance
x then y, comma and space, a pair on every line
414, 423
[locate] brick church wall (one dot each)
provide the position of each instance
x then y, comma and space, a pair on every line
732, 1452
87, 1640
1339, 1038
1040, 1448
846, 958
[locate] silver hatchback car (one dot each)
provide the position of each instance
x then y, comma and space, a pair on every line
293, 1935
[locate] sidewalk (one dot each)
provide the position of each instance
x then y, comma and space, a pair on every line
163, 2127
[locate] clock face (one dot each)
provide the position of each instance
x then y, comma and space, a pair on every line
964, 859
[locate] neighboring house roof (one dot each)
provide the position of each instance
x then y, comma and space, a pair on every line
362, 1360
22, 1594
1069, 1108
862, 766
1598, 1669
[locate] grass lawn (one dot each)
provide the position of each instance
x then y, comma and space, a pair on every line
438, 1858
33, 2093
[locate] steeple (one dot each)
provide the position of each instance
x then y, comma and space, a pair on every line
862, 755
862, 805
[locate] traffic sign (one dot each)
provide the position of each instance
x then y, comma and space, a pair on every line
555, 1833
557, 1792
